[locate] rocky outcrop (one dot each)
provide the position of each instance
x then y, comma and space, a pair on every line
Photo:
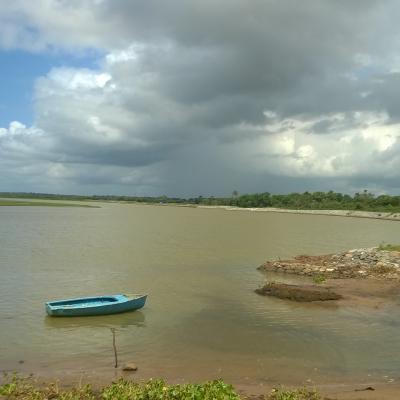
303, 293
357, 263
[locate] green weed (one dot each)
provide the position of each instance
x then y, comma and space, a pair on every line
296, 394
319, 278
389, 247
154, 389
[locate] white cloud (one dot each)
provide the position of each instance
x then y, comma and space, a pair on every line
362, 149
73, 79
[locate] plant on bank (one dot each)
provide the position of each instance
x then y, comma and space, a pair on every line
157, 389
29, 389
154, 389
319, 278
296, 394
389, 247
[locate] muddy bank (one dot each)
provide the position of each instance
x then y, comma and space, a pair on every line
355, 391
360, 277
302, 293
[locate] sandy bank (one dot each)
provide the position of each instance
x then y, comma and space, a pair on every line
355, 391
335, 213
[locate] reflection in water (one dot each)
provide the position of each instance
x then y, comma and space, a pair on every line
136, 318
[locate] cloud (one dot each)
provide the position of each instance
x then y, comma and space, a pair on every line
202, 97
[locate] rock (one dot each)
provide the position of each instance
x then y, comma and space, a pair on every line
130, 366
302, 293
372, 262
380, 264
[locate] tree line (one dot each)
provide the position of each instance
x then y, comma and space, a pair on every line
364, 201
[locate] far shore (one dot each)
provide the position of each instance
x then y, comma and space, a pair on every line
389, 216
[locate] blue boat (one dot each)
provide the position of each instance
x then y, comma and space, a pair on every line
99, 305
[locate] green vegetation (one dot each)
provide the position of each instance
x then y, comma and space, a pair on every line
297, 394
159, 390
39, 204
389, 247
319, 278
154, 389
28, 389
364, 201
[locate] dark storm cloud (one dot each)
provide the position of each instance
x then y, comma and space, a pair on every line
245, 48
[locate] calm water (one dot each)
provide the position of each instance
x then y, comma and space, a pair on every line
202, 319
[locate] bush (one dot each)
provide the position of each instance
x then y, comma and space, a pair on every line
389, 247
319, 278
297, 394
157, 389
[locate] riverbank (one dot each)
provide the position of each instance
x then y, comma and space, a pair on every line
39, 203
366, 277
30, 388
361, 278
389, 216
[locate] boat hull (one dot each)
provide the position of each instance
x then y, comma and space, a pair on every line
102, 305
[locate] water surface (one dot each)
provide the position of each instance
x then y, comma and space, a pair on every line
202, 319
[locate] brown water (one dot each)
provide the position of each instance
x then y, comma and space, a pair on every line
202, 319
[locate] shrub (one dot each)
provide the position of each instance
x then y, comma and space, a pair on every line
297, 394
389, 247
154, 389
319, 278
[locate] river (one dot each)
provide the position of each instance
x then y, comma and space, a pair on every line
202, 319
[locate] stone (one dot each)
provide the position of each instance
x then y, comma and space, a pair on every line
374, 262
301, 293
130, 366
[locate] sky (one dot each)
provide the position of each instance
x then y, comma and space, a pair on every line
188, 98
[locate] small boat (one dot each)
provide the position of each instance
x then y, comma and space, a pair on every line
99, 305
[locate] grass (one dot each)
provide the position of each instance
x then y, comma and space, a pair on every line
40, 203
296, 394
155, 389
389, 247
319, 278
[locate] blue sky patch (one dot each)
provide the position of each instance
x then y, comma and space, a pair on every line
18, 72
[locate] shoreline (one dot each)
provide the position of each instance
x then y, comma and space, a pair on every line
358, 277
387, 216
346, 390
380, 215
